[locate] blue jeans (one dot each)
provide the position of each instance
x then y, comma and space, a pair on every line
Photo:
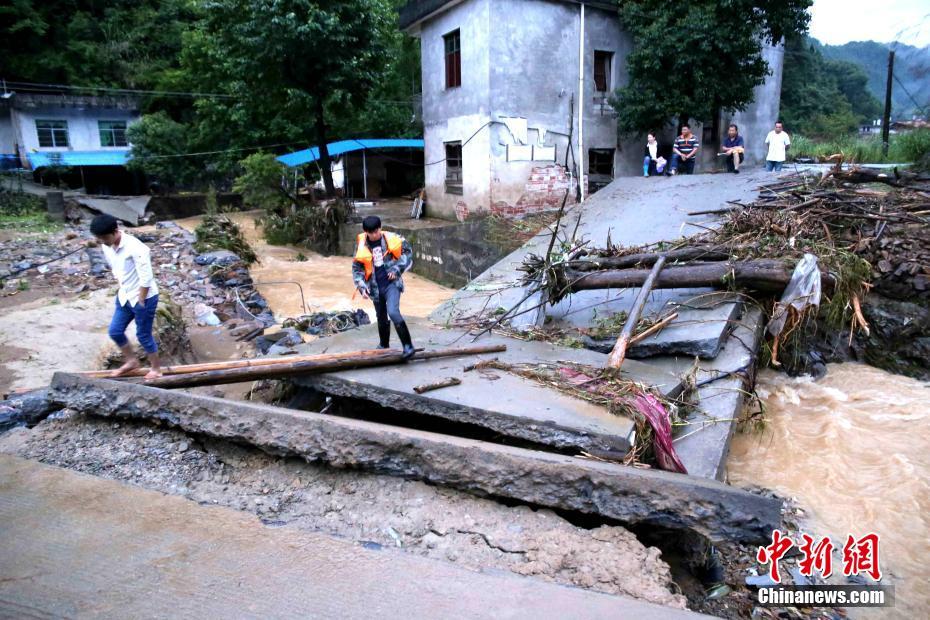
773, 166
388, 305
686, 165
144, 316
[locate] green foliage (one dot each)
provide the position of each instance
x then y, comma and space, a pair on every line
276, 61
690, 60
218, 232
911, 67
902, 148
261, 183
289, 64
157, 141
312, 225
122, 44
912, 146
821, 97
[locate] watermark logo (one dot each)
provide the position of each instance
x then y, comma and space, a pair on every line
860, 558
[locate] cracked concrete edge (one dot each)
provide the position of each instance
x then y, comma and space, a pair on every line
704, 451
529, 429
626, 494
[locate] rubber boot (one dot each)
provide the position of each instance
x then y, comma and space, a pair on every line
404, 335
645, 170
384, 335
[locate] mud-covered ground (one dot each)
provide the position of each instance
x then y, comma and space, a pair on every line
370, 509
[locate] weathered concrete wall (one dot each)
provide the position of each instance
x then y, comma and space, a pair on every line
174, 206
519, 59
628, 494
456, 114
759, 118
451, 255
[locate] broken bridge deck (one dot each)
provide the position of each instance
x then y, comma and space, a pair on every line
499, 401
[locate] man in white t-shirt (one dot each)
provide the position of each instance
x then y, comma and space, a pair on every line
778, 143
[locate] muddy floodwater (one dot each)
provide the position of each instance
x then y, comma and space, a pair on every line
326, 280
854, 449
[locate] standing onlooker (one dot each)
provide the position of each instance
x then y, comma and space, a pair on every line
733, 149
778, 142
651, 155
684, 151
137, 297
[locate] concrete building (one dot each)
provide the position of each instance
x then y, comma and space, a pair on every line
84, 137
504, 85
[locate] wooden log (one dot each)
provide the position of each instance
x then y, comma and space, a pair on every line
618, 353
207, 366
657, 327
647, 259
895, 177
764, 275
338, 361
436, 385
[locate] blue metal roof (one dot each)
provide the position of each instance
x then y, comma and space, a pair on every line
306, 156
110, 157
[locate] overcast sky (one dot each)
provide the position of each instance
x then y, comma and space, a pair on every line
840, 21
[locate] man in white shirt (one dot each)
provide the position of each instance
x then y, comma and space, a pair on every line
137, 298
778, 142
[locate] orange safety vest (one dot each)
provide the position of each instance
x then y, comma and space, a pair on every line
395, 245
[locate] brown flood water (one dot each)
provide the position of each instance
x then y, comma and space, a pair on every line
854, 449
326, 280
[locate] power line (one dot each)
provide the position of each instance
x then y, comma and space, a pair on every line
55, 88
121, 91
919, 107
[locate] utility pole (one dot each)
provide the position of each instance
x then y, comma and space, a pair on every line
886, 117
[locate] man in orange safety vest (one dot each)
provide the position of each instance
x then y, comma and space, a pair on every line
381, 258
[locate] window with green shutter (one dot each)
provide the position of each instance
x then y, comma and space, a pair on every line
112, 133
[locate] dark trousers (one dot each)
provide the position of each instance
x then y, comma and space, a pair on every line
683, 166
144, 316
387, 309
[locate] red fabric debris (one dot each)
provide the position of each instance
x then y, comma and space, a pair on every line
651, 408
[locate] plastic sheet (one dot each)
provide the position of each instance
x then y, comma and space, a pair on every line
803, 291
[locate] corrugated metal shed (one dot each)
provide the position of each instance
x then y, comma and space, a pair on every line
44, 159
306, 156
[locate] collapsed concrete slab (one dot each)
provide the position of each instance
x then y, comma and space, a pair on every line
500, 401
69, 536
705, 317
128, 209
614, 491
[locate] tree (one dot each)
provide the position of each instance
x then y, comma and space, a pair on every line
116, 44
691, 60
820, 97
286, 61
159, 149
262, 184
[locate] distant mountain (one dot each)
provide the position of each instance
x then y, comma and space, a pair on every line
911, 66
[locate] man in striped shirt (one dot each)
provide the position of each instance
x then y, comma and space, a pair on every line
137, 298
684, 151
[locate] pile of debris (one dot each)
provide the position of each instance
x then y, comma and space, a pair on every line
858, 237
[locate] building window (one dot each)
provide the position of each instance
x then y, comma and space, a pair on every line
601, 161
112, 133
602, 61
600, 168
453, 46
52, 133
454, 168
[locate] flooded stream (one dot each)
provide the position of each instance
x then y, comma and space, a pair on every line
853, 449
326, 280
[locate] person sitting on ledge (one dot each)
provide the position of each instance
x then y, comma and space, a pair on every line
684, 152
733, 149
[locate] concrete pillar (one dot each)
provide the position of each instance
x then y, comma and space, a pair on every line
55, 204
